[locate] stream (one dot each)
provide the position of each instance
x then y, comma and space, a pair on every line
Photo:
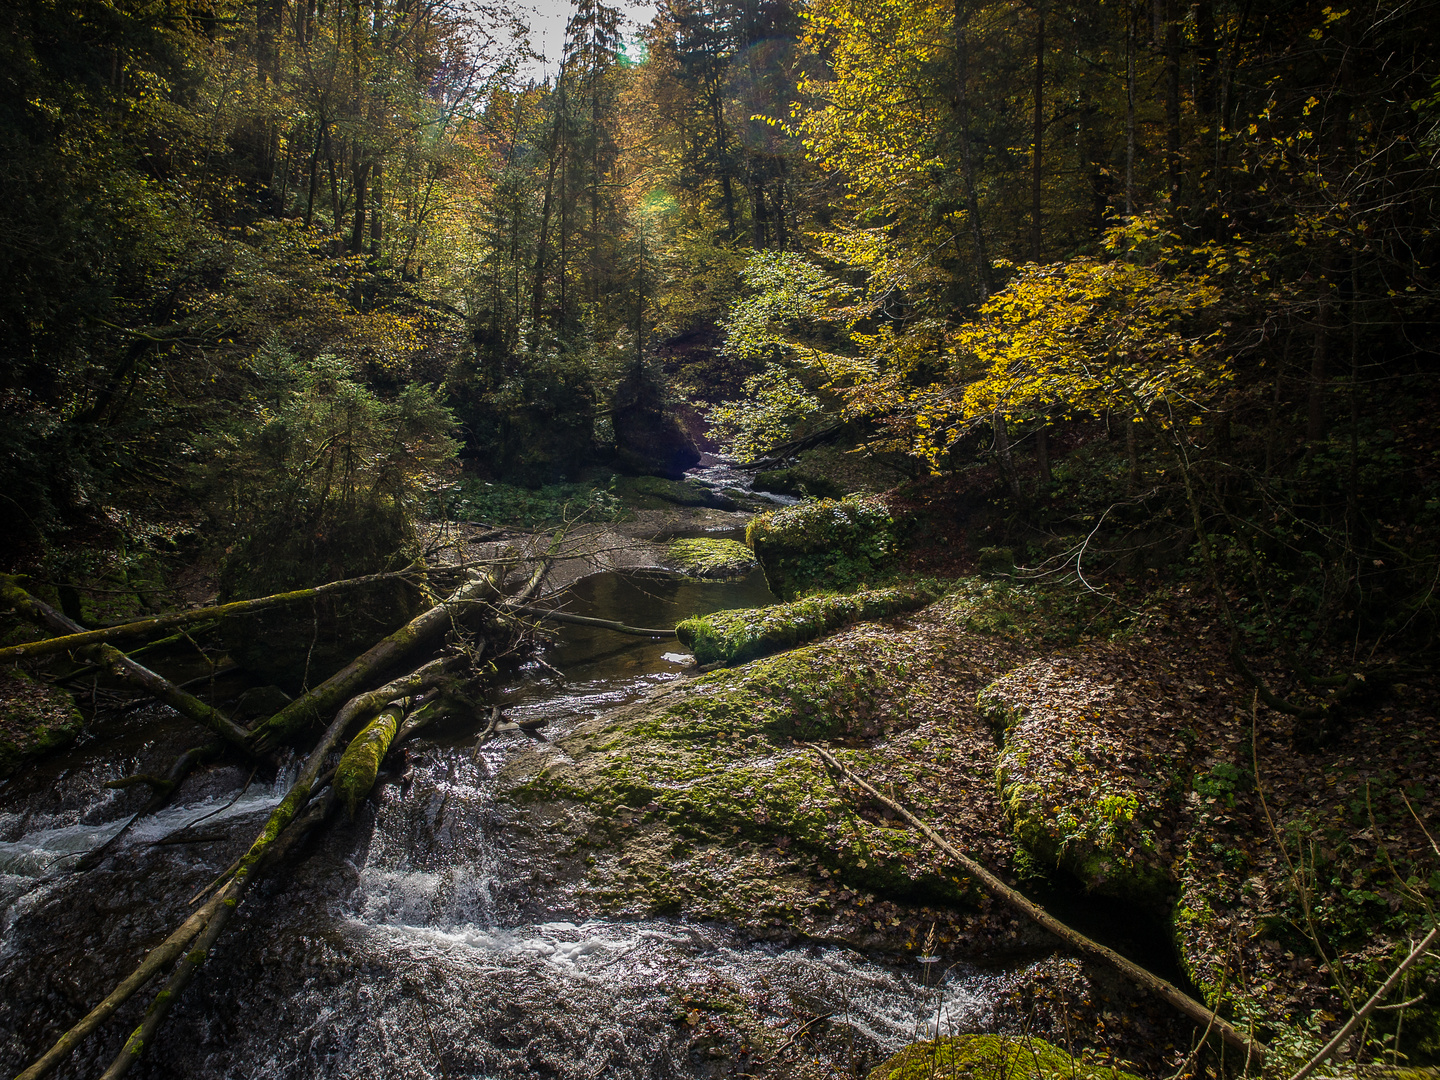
434, 936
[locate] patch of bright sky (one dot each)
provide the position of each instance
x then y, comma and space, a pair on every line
547, 19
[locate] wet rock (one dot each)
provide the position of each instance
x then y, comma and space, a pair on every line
649, 492
711, 806
798, 482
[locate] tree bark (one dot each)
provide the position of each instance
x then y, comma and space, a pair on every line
983, 273
1037, 138
145, 627
1315, 411
1007, 456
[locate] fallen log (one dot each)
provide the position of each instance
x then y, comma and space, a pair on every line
127, 669
230, 894
81, 637
156, 961
1197, 1012
307, 709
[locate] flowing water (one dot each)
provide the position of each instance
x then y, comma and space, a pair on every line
435, 936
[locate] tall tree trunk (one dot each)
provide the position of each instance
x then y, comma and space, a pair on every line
1042, 453
1315, 411
537, 293
1007, 456
1172, 104
377, 221
1129, 108
361, 174
1037, 139
1132, 452
983, 273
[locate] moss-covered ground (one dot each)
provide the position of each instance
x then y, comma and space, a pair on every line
992, 1057
1050, 735
706, 558
34, 720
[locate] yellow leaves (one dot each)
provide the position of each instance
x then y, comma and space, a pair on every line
1096, 335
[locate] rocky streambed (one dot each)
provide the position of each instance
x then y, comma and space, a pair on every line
669, 882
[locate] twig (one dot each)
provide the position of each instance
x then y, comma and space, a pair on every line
1365, 1010
1156, 985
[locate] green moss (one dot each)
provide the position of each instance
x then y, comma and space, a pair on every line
719, 761
35, 720
703, 558
1065, 782
743, 634
824, 544
991, 1057
654, 492
360, 764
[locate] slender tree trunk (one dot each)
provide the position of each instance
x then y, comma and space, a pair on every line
1132, 452
537, 294
1315, 412
983, 273
1037, 139
377, 221
1129, 109
1042, 453
1172, 105
361, 175
1007, 456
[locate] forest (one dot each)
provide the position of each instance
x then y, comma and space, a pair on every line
795, 538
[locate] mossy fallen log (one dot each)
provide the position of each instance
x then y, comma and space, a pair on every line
732, 637
309, 708
141, 628
272, 841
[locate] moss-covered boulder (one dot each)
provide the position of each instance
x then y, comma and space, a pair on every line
825, 544
732, 637
992, 1057
705, 558
1077, 793
35, 719
720, 759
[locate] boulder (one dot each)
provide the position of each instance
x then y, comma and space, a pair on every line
825, 544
